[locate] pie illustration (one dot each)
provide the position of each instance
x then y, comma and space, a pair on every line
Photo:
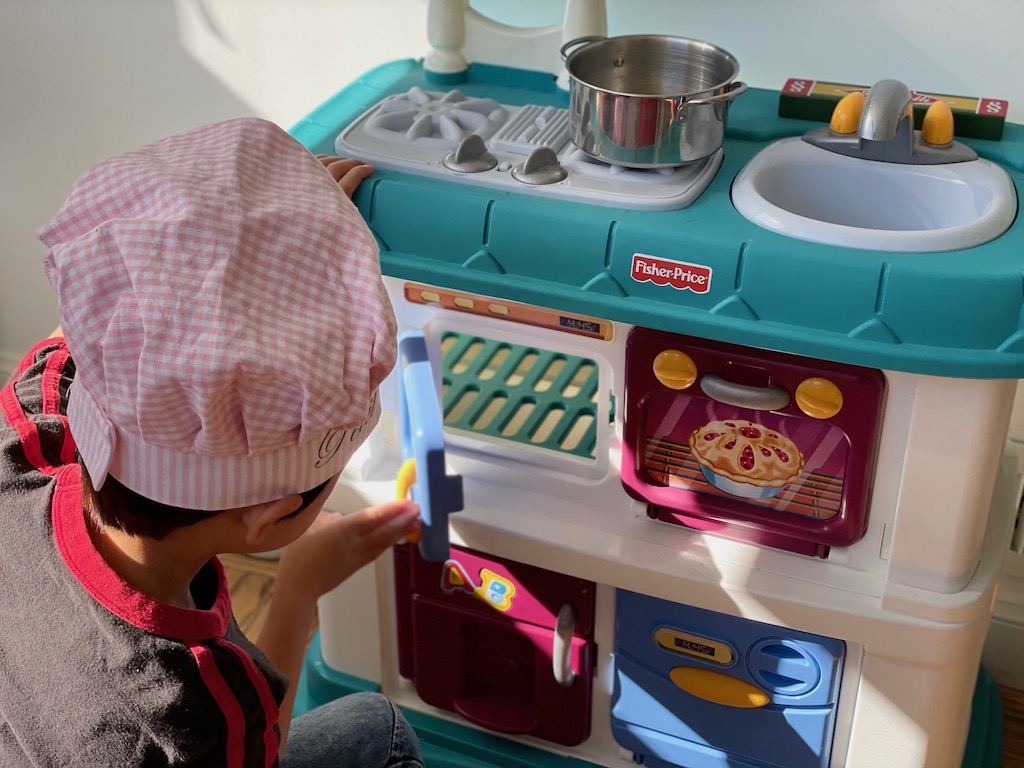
735, 455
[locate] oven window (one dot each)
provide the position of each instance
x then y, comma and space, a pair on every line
751, 445
521, 395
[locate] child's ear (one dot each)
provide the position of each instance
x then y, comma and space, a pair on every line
259, 518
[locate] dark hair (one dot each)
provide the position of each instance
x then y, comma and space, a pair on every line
115, 506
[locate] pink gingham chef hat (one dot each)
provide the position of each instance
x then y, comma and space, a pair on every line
222, 299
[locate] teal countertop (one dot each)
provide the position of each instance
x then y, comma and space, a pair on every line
954, 314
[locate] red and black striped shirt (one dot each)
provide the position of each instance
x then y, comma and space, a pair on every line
93, 672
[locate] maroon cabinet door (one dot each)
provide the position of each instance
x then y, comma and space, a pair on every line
507, 646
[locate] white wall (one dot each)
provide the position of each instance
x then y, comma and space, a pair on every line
83, 79
79, 81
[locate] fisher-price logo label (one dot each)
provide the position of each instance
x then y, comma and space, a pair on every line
679, 274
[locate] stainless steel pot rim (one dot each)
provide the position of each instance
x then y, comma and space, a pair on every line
703, 93
582, 43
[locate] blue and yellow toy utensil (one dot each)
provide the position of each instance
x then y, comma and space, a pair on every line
425, 479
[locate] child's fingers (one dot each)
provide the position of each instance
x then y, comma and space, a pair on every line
369, 532
339, 166
352, 178
391, 518
347, 171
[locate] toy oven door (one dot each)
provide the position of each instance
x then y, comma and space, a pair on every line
758, 446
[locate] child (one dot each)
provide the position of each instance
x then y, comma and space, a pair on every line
224, 332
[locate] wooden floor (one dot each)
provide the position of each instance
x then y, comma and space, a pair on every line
1013, 728
251, 580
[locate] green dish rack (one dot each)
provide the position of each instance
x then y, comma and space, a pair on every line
521, 394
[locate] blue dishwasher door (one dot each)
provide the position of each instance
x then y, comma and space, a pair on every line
701, 689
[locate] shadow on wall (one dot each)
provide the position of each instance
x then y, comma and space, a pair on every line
81, 82
284, 59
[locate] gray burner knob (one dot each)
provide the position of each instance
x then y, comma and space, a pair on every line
471, 156
541, 167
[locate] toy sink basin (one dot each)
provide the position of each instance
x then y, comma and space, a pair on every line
806, 192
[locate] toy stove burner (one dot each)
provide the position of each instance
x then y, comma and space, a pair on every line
437, 120
525, 149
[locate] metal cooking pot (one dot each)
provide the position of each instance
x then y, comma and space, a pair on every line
649, 101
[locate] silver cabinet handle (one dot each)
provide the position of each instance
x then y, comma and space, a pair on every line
757, 398
561, 652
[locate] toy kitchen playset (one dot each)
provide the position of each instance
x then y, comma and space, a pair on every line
708, 424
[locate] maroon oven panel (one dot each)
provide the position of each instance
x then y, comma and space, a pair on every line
484, 636
760, 446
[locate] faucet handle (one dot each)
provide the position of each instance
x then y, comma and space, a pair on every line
846, 115
937, 126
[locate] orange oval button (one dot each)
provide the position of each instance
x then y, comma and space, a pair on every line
819, 398
719, 688
675, 369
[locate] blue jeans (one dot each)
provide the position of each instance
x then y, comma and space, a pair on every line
362, 730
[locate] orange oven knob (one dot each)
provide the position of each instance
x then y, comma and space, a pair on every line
718, 687
819, 398
675, 369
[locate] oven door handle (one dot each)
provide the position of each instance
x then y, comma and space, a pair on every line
438, 493
771, 398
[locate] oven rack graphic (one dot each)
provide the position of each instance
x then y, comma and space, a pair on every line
520, 394
669, 462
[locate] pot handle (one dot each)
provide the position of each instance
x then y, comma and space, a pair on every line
564, 50
734, 90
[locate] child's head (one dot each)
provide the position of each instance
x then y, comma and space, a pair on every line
222, 300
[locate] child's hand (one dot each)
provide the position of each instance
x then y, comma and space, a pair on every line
336, 546
347, 172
